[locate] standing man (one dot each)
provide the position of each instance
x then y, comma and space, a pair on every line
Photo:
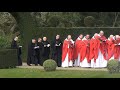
117, 48
67, 52
94, 51
77, 50
103, 49
46, 50
32, 55
56, 48
39, 50
110, 47
14, 45
85, 51
96, 55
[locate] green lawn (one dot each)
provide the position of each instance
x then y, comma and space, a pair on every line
37, 73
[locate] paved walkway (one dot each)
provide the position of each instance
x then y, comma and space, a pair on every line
61, 68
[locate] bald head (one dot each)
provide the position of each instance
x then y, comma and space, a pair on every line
44, 38
101, 33
69, 37
95, 34
33, 40
117, 36
111, 36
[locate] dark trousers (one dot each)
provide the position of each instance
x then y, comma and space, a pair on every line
57, 58
34, 60
19, 60
39, 59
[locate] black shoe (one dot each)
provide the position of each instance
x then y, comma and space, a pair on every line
36, 64
29, 65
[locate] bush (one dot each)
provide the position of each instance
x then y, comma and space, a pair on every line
5, 41
8, 58
49, 65
89, 21
53, 21
113, 66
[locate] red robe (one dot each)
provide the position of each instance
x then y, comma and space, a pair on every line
103, 46
77, 48
110, 48
68, 47
117, 50
85, 50
94, 48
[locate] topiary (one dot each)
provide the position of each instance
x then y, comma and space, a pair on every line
49, 65
89, 21
113, 66
5, 41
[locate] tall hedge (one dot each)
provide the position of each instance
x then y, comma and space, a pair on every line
8, 58
51, 32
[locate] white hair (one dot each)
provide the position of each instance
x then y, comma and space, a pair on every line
111, 35
117, 36
101, 31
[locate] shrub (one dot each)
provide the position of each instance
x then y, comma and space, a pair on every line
53, 21
49, 65
89, 21
8, 58
113, 66
5, 41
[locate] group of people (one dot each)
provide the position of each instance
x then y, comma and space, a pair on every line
39, 51
92, 52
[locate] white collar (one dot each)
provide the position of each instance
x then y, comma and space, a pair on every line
84, 38
79, 38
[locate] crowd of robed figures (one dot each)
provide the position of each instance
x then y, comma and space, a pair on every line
83, 52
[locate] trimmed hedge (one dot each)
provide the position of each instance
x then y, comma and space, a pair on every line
8, 58
113, 66
49, 65
51, 32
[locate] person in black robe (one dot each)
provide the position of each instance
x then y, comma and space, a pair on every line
32, 55
14, 45
39, 50
56, 48
46, 50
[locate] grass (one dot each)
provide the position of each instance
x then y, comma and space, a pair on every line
37, 73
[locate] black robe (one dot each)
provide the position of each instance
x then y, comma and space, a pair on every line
57, 51
45, 52
39, 51
31, 58
15, 46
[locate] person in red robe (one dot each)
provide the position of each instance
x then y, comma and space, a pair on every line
95, 53
117, 48
98, 51
103, 45
77, 50
85, 51
110, 47
67, 52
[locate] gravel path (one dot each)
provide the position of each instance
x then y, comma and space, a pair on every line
61, 68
